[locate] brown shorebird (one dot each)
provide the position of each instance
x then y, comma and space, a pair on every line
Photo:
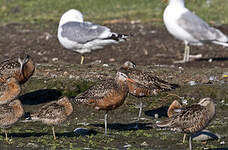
21, 68
143, 83
175, 108
53, 113
106, 95
9, 90
191, 119
9, 114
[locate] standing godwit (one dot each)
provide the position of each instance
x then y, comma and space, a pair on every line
9, 114
21, 68
143, 83
9, 90
191, 119
188, 27
83, 37
53, 113
106, 95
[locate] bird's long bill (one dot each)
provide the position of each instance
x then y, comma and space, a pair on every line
129, 79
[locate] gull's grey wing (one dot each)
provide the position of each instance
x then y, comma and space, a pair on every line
198, 28
82, 32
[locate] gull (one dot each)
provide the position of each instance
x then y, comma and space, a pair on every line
188, 27
83, 37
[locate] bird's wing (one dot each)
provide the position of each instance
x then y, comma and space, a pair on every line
96, 92
83, 32
198, 28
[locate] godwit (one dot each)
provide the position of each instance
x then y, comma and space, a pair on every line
186, 26
106, 95
9, 114
21, 68
9, 90
191, 119
143, 83
53, 113
83, 37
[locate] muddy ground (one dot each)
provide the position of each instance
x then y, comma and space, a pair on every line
58, 73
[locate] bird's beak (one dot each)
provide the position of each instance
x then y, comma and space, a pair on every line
129, 79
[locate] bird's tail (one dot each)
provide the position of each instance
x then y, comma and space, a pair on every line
118, 37
220, 43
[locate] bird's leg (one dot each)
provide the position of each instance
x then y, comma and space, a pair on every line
105, 118
186, 52
190, 142
53, 132
140, 112
184, 138
6, 135
82, 59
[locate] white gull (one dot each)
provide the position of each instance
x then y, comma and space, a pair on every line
83, 37
186, 26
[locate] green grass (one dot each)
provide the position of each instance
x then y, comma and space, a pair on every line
40, 11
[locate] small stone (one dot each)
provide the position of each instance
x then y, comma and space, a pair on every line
144, 144
65, 73
33, 145
105, 65
192, 83
71, 76
205, 135
112, 59
184, 102
222, 142
127, 145
81, 131
156, 116
55, 59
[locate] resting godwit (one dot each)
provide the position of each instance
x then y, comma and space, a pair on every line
9, 90
188, 27
106, 95
53, 113
191, 119
143, 83
21, 68
83, 37
9, 114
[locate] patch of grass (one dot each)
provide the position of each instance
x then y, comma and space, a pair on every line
40, 11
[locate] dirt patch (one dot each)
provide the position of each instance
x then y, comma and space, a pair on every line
58, 73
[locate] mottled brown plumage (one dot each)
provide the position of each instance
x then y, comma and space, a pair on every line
9, 114
191, 119
9, 90
143, 83
20, 68
53, 113
106, 95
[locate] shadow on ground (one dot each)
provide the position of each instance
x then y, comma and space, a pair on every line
40, 96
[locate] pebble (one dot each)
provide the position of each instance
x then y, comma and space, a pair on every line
144, 144
105, 65
81, 131
127, 145
55, 59
33, 145
156, 116
192, 83
222, 142
205, 135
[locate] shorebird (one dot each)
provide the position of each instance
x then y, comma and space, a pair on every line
188, 27
53, 113
21, 68
106, 95
83, 37
143, 83
9, 90
191, 119
9, 114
